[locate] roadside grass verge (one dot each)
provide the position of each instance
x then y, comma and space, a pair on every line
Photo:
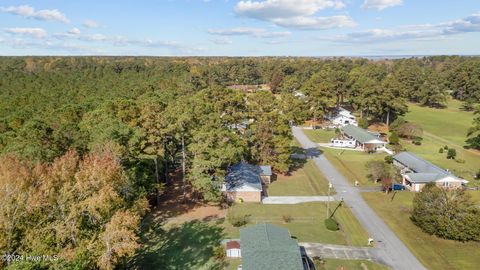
433, 252
351, 164
319, 135
335, 264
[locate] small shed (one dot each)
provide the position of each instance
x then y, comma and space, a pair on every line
233, 249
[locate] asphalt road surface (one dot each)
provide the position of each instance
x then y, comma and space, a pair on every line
391, 249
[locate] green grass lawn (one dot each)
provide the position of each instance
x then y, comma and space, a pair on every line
444, 127
186, 246
351, 164
433, 252
450, 123
305, 181
307, 222
232, 264
319, 135
334, 264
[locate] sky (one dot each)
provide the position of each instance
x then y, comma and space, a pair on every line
240, 28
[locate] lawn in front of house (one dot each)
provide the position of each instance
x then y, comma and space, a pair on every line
304, 181
351, 164
433, 252
307, 222
319, 135
335, 264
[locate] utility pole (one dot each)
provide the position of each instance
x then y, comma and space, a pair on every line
328, 199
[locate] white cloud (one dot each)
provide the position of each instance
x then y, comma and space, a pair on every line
43, 15
32, 32
222, 41
74, 31
381, 4
294, 13
316, 22
246, 31
413, 32
90, 24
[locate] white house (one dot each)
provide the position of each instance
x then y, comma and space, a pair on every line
342, 117
417, 172
355, 137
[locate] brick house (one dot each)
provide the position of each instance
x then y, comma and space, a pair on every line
244, 182
417, 172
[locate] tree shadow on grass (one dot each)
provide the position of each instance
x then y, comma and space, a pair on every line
300, 157
187, 246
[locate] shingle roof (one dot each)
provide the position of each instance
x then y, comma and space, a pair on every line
243, 174
358, 134
417, 164
265, 246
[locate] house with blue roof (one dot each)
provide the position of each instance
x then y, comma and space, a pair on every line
245, 182
417, 172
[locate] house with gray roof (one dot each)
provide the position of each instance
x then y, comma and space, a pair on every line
269, 247
244, 182
356, 137
417, 172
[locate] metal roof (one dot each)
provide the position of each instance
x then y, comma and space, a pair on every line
243, 174
424, 177
359, 134
269, 247
418, 165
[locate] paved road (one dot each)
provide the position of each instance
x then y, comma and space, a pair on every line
295, 199
390, 249
342, 252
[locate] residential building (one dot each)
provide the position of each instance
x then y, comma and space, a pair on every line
342, 117
244, 182
355, 137
417, 172
269, 247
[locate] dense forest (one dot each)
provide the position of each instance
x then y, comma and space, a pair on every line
89, 144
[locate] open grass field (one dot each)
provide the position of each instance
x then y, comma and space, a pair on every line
307, 222
319, 135
445, 127
433, 252
351, 164
334, 264
304, 181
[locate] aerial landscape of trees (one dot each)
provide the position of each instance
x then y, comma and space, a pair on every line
89, 144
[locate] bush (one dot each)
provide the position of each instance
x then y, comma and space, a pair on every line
219, 252
446, 214
389, 159
238, 221
459, 160
477, 175
393, 139
331, 224
417, 142
440, 150
445, 147
452, 153
287, 218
